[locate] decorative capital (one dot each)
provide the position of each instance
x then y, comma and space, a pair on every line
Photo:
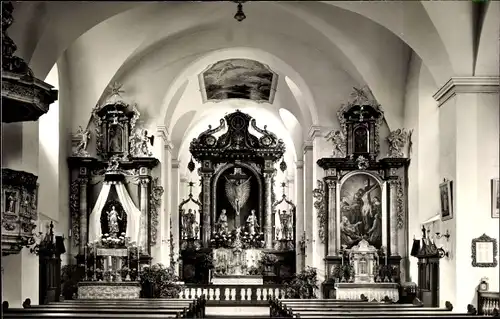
467, 84
299, 164
331, 183
307, 146
83, 180
162, 132
144, 181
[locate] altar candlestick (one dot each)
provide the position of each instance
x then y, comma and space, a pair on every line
94, 277
85, 258
342, 258
386, 259
128, 259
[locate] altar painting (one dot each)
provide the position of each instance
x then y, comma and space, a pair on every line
360, 211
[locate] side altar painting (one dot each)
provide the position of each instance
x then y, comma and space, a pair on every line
364, 220
114, 199
237, 218
361, 211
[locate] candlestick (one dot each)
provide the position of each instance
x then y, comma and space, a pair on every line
386, 259
342, 258
128, 262
94, 277
85, 258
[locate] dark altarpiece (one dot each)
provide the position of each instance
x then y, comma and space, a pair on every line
362, 200
121, 156
236, 202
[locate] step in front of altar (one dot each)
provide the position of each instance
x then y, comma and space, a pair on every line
109, 290
373, 291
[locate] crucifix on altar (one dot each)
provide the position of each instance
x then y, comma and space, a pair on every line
237, 190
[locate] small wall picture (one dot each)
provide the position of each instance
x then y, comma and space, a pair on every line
495, 198
446, 195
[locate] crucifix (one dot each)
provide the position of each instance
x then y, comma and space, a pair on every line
361, 112
237, 179
190, 185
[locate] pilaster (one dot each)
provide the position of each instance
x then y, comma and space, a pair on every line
300, 220
469, 152
174, 205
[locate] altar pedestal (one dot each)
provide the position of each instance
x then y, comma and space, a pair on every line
373, 291
109, 290
238, 280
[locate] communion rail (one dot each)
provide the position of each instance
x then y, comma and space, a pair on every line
233, 292
488, 303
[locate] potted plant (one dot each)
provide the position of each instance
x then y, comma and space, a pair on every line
70, 276
303, 285
268, 262
159, 281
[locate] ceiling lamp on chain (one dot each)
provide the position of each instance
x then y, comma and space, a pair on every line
240, 15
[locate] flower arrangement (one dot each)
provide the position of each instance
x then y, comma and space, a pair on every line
303, 285
255, 240
222, 240
107, 241
269, 259
159, 281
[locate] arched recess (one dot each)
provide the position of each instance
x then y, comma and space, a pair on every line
218, 175
309, 114
488, 51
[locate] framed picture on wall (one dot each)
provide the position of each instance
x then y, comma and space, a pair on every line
495, 198
446, 195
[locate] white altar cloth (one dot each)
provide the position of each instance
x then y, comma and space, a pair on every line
238, 280
373, 291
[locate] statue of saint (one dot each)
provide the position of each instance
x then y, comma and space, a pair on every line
189, 223
115, 139
222, 222
81, 148
289, 226
10, 203
113, 219
252, 222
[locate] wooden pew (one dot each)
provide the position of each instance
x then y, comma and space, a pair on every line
136, 308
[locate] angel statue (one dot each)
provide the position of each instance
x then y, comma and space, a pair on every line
237, 192
81, 148
140, 143
339, 143
397, 140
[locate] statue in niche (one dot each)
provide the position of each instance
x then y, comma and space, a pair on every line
10, 202
115, 138
113, 219
361, 140
286, 225
189, 225
337, 138
81, 148
222, 222
252, 223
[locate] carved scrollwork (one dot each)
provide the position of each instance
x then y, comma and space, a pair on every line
155, 203
397, 140
10, 62
319, 205
74, 208
207, 138
400, 204
362, 162
268, 139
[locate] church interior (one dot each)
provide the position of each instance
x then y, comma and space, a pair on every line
349, 167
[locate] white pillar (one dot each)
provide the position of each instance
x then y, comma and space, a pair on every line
309, 218
299, 221
174, 196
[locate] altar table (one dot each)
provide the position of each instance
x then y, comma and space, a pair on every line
373, 291
238, 280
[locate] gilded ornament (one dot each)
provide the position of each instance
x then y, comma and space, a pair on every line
397, 140
339, 142
155, 203
319, 205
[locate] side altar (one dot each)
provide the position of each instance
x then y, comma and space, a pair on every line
362, 204
233, 227
112, 200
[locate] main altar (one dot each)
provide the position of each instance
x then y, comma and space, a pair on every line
238, 231
112, 200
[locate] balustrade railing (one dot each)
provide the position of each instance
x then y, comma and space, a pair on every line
233, 292
488, 301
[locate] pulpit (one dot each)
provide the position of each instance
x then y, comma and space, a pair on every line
364, 261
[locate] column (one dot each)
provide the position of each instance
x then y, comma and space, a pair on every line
392, 185
83, 181
143, 203
309, 214
167, 213
174, 209
299, 214
268, 213
206, 226
331, 183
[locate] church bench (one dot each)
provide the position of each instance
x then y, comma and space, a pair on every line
7, 315
379, 315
